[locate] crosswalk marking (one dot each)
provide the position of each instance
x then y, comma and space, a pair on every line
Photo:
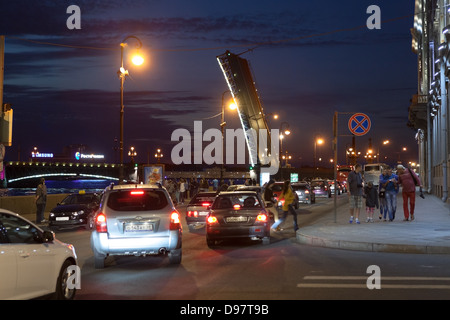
363, 285
382, 278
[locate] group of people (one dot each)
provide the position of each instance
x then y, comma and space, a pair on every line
385, 196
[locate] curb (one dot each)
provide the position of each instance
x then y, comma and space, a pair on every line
369, 246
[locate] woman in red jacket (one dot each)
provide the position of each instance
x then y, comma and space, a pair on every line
408, 179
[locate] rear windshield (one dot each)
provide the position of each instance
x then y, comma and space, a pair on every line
372, 168
244, 201
299, 187
318, 184
137, 200
200, 199
80, 199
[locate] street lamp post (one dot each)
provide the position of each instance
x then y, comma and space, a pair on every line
158, 155
122, 73
284, 133
317, 141
132, 153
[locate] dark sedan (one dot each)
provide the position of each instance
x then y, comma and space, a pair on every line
198, 209
237, 214
77, 209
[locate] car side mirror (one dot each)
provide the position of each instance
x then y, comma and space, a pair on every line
48, 236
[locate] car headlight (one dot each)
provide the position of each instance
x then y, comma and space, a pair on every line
78, 212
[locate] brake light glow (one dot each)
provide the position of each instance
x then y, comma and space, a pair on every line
237, 207
306, 191
100, 223
175, 217
206, 204
175, 221
212, 219
137, 192
261, 217
193, 214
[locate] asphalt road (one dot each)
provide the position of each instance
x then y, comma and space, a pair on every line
246, 270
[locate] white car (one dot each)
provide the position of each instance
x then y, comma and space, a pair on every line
138, 220
32, 262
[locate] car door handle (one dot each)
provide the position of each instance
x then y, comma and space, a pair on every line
24, 254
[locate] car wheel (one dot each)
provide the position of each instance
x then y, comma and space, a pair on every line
62, 290
211, 243
90, 223
175, 256
99, 260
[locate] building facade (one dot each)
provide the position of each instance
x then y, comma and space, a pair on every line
429, 109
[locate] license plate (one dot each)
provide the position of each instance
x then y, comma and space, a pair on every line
237, 219
138, 227
203, 213
62, 218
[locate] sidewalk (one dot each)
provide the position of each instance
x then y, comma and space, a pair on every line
428, 233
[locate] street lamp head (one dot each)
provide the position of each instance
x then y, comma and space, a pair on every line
287, 132
320, 141
232, 106
137, 60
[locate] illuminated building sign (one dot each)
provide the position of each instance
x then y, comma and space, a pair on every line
80, 156
41, 155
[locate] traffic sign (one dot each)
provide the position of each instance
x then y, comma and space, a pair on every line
359, 124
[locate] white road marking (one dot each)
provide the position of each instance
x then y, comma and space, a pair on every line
383, 285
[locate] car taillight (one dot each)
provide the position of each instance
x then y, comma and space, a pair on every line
192, 214
206, 204
306, 191
212, 220
237, 207
175, 221
262, 217
137, 193
100, 223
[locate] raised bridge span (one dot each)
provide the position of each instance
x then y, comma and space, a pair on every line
20, 173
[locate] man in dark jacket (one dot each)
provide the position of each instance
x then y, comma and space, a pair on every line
41, 200
355, 192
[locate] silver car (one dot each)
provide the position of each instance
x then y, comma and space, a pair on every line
137, 220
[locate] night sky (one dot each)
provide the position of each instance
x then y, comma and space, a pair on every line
332, 62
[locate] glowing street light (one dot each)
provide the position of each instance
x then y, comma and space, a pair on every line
122, 73
317, 141
158, 155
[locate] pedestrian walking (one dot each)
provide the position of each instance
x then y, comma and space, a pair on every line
355, 192
371, 195
382, 195
288, 195
41, 200
182, 190
389, 182
409, 180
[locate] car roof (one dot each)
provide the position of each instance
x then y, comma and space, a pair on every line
238, 192
208, 193
133, 186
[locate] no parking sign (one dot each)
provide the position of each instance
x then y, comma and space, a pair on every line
359, 124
